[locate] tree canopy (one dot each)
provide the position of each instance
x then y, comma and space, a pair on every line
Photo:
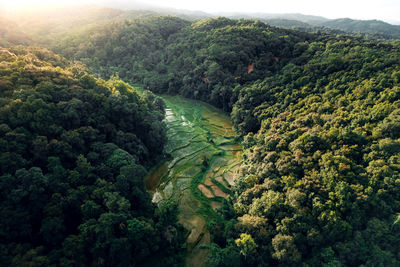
318, 115
74, 152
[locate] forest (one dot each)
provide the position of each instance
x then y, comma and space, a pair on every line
74, 152
317, 114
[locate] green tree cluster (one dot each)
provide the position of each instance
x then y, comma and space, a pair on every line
74, 151
203, 60
321, 174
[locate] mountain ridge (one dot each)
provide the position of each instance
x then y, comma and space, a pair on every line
119, 10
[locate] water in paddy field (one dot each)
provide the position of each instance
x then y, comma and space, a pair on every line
201, 171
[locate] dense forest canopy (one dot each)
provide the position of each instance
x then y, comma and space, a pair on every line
203, 60
318, 114
74, 152
322, 172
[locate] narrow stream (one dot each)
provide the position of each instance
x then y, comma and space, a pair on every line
201, 172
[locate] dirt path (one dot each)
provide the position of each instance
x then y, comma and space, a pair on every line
201, 143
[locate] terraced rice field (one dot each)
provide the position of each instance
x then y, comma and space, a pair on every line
201, 171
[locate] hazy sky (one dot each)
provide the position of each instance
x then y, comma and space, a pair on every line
358, 9
388, 10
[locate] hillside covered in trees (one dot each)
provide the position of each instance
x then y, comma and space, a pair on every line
375, 29
74, 152
318, 115
320, 181
203, 60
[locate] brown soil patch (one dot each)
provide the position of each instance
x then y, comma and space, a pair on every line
218, 192
208, 181
250, 68
205, 191
229, 176
237, 153
236, 150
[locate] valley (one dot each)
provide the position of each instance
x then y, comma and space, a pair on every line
199, 175
258, 142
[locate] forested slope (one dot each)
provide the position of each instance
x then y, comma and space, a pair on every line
371, 27
320, 181
203, 60
320, 119
74, 151
132, 48
319, 115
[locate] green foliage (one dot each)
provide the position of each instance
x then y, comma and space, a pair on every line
73, 155
319, 115
246, 244
284, 249
370, 27
397, 220
325, 152
204, 60
224, 257
320, 169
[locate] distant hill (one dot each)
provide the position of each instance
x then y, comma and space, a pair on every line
364, 26
52, 23
310, 19
11, 34
377, 28
287, 23
44, 25
128, 5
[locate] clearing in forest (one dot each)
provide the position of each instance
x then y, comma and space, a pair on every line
201, 171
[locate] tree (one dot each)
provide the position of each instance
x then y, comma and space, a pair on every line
246, 245
285, 250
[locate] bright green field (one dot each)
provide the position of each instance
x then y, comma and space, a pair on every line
199, 175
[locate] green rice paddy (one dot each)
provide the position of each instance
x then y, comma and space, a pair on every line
201, 170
